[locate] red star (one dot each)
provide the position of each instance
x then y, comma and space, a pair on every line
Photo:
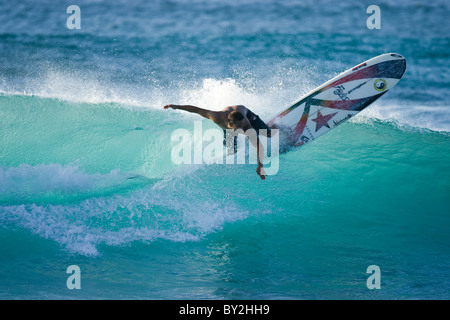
323, 120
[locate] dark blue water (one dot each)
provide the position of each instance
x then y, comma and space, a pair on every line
86, 176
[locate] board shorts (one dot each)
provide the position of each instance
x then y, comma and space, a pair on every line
257, 123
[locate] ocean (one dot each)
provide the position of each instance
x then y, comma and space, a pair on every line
86, 170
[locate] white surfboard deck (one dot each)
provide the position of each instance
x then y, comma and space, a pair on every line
338, 99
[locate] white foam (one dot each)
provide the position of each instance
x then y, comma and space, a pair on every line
436, 118
268, 98
89, 88
35, 180
144, 215
215, 94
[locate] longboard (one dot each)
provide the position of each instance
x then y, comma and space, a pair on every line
338, 99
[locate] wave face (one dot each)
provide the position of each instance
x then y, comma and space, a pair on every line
86, 170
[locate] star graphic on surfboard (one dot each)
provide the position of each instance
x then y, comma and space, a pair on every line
322, 120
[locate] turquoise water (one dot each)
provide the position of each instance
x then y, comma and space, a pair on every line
86, 176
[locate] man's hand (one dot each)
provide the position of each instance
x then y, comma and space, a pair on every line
170, 106
260, 171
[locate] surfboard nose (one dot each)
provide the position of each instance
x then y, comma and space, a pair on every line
396, 55
393, 67
398, 66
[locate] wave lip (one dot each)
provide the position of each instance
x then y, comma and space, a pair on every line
435, 118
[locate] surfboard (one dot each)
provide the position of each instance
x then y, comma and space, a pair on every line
338, 99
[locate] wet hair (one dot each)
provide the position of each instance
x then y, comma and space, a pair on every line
235, 116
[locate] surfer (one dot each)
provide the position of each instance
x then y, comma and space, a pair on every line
234, 117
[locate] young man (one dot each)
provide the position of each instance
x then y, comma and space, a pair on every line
234, 117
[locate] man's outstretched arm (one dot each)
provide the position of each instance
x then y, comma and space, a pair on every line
203, 112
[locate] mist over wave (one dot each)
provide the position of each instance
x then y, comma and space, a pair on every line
266, 98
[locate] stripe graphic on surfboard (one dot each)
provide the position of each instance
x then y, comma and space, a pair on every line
339, 99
